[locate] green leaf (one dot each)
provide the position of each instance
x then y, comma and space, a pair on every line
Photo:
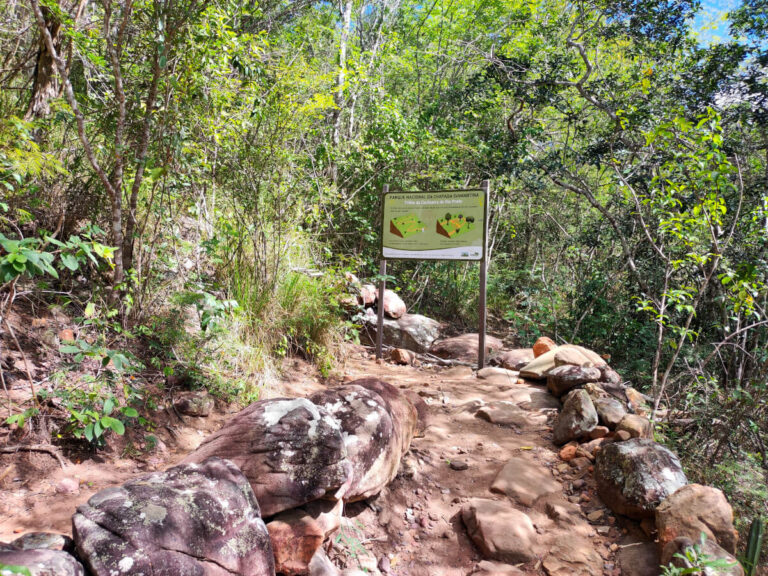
70, 262
10, 569
109, 405
114, 424
88, 432
69, 349
130, 412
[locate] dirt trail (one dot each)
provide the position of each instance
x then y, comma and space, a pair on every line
414, 526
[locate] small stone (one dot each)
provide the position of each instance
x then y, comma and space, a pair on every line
459, 465
595, 516
568, 452
599, 432
68, 486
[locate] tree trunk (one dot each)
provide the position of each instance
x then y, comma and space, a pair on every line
338, 97
45, 87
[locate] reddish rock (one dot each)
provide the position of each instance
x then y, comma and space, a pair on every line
296, 535
401, 356
394, 307
525, 481
568, 452
542, 346
599, 432
368, 295
67, 335
500, 531
464, 347
694, 509
636, 426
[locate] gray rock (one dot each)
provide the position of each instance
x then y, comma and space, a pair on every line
410, 331
504, 413
191, 519
44, 541
42, 562
562, 378
369, 437
635, 476
609, 411
194, 404
291, 451
577, 419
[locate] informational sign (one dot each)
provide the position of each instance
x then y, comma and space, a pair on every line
448, 225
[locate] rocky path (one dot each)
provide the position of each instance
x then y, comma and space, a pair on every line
484, 470
482, 491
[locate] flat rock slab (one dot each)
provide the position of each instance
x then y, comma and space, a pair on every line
191, 519
490, 372
573, 557
525, 481
500, 531
291, 451
505, 413
42, 562
488, 568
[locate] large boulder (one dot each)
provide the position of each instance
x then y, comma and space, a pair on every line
500, 531
465, 347
40, 561
513, 359
291, 451
567, 354
373, 447
561, 379
394, 307
405, 416
635, 476
577, 419
191, 519
694, 509
537, 368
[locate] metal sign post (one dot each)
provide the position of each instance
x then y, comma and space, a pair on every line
382, 288
440, 225
483, 285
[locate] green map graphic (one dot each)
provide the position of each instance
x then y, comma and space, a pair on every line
406, 225
452, 226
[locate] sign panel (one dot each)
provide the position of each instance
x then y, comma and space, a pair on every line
448, 225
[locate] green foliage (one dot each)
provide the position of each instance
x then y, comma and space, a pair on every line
695, 561
8, 570
751, 558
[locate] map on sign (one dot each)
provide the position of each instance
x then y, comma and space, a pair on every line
434, 225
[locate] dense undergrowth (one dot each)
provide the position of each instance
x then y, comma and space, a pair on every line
188, 182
